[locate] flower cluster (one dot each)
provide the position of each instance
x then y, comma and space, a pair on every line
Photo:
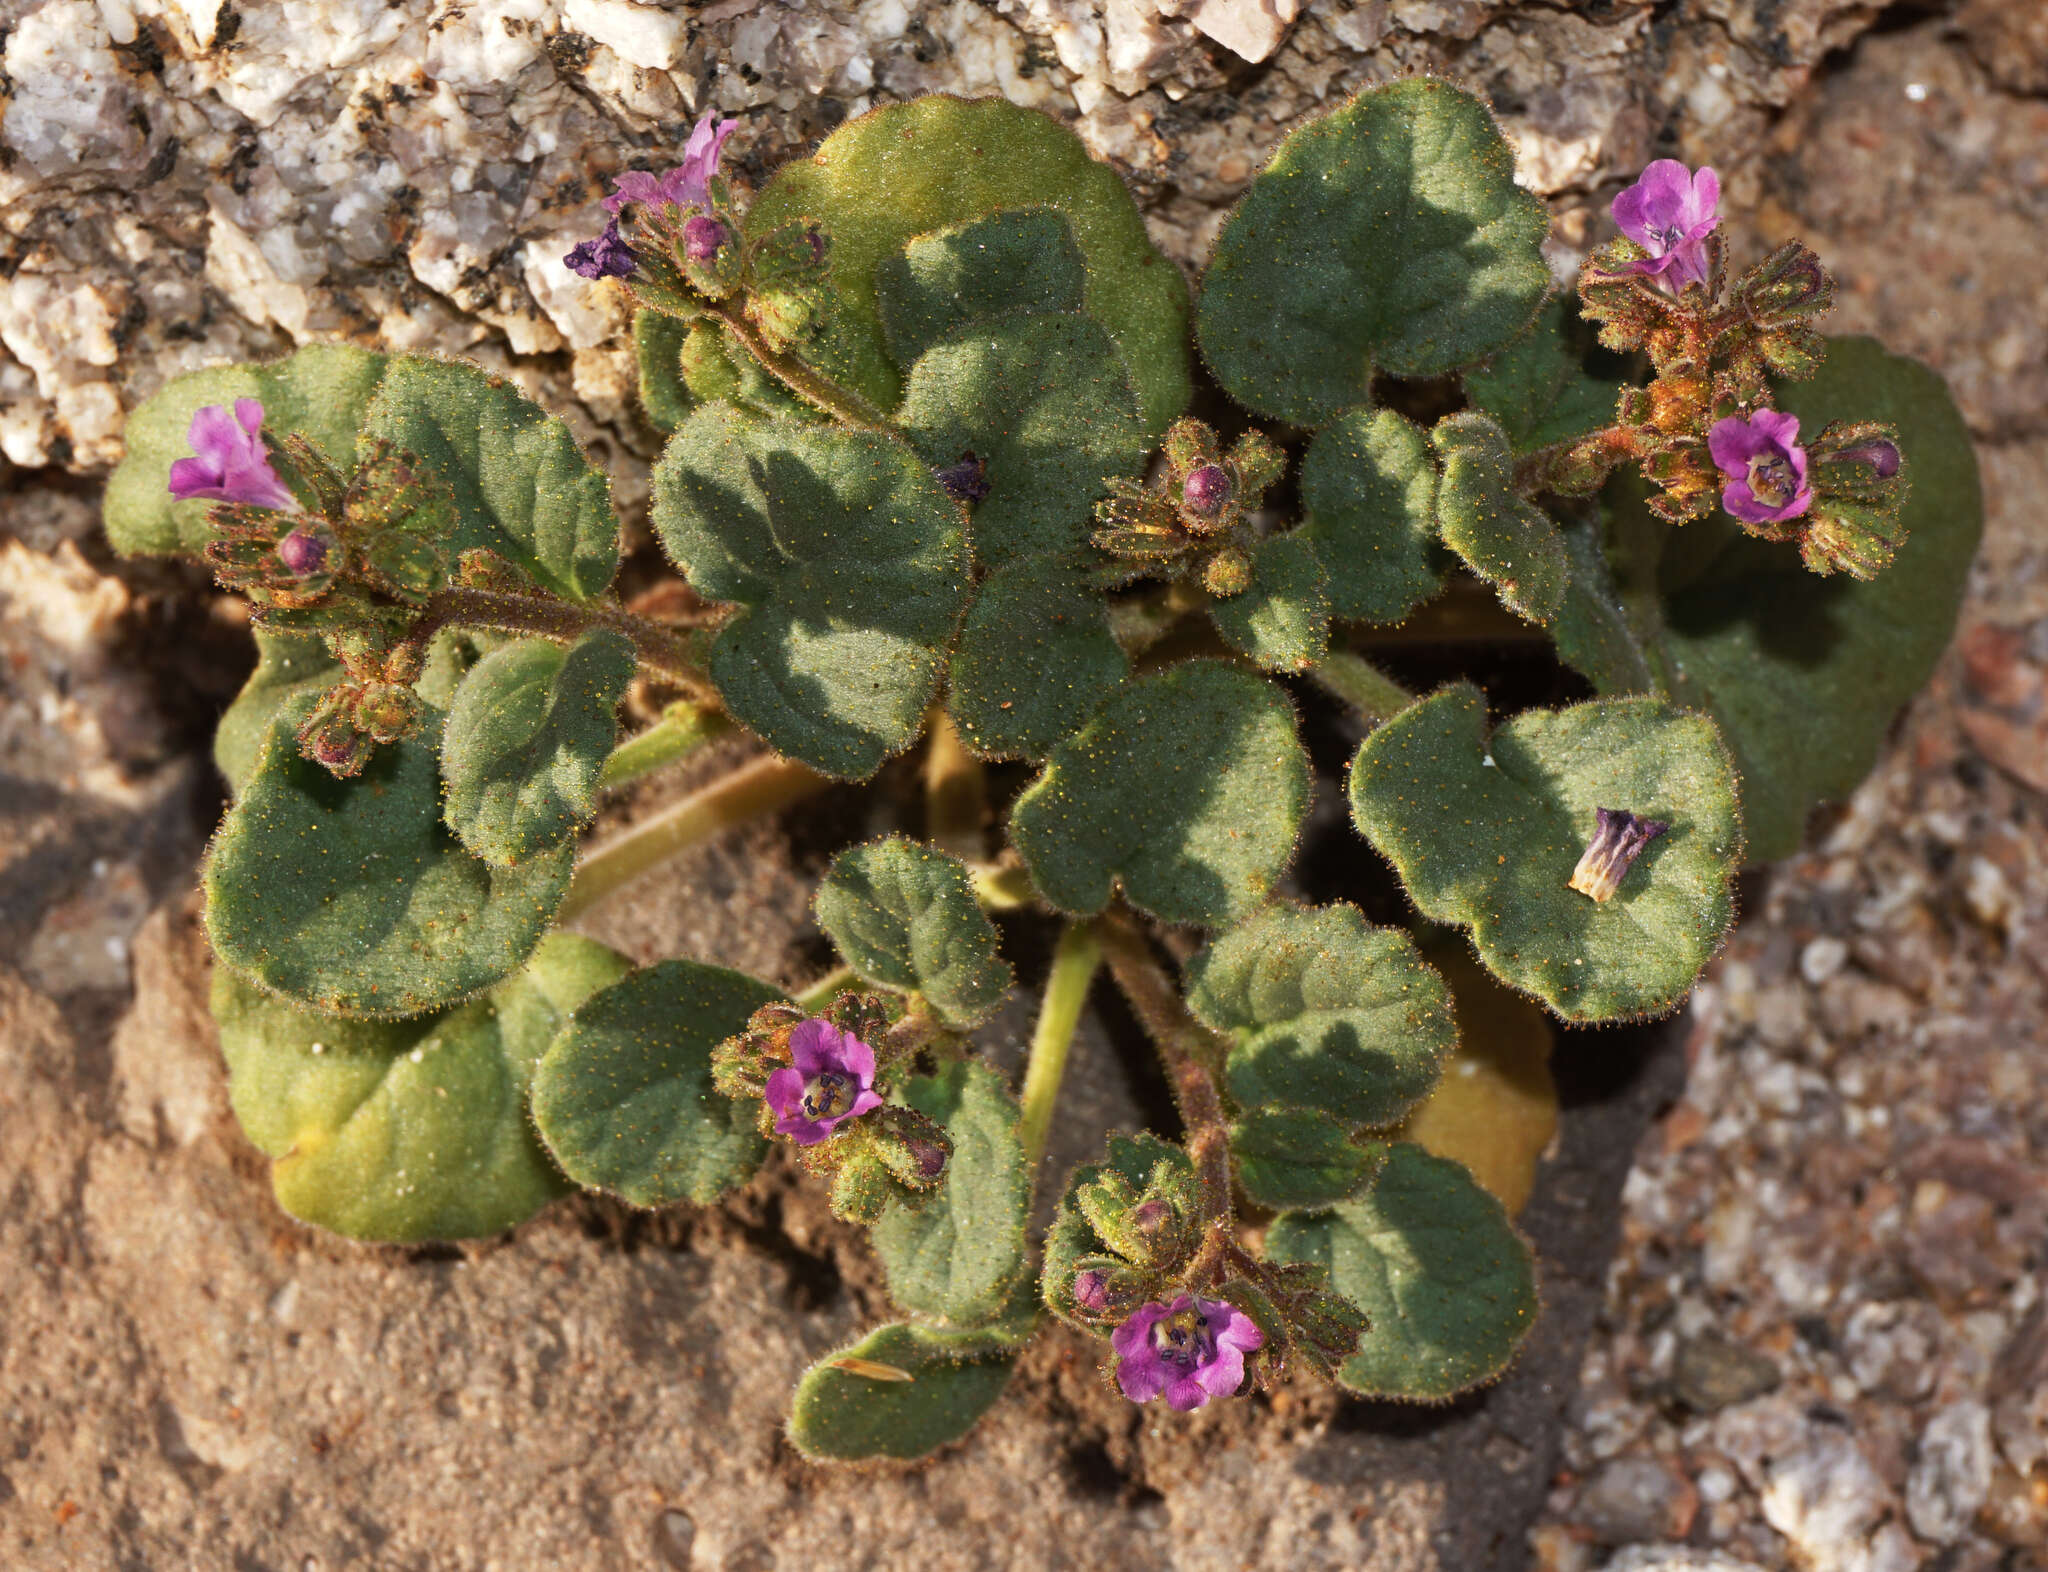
683, 196
1195, 520
1705, 430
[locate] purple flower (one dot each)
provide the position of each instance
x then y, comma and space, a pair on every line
1669, 212
1191, 1350
232, 465
686, 185
1619, 838
605, 257
1765, 466
965, 481
830, 1081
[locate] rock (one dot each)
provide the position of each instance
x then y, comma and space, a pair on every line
1712, 1373
1952, 1474
1838, 1514
1633, 1498
1676, 1558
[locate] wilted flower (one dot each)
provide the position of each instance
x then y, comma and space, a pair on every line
608, 256
830, 1080
232, 464
1765, 466
1191, 1350
965, 481
1619, 838
686, 185
1669, 212
703, 238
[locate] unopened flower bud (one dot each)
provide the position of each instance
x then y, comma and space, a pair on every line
862, 1189
331, 739
1619, 839
1106, 1290
1228, 573
702, 237
387, 711
916, 1150
1205, 492
307, 551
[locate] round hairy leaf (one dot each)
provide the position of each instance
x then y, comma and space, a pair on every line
904, 915
1509, 542
901, 1392
1035, 659
406, 1130
530, 729
1188, 788
1282, 620
1487, 834
1298, 1157
1324, 1011
288, 666
1023, 259
1368, 484
1805, 673
955, 1253
1433, 1260
1042, 400
909, 169
1390, 236
623, 1097
522, 486
850, 564
322, 390
658, 353
353, 897
1538, 388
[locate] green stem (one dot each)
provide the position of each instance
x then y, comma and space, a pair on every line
793, 374
1192, 1054
1362, 685
826, 989
681, 731
955, 792
761, 786
657, 646
1074, 961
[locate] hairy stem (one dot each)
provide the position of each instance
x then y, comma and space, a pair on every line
681, 731
826, 988
1074, 961
955, 793
826, 394
1361, 685
760, 786
1192, 1054
659, 648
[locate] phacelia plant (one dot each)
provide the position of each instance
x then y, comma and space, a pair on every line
931, 478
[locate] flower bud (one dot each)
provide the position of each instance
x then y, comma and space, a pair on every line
914, 1149
1106, 1290
862, 1189
1787, 285
330, 737
1228, 573
1206, 491
387, 711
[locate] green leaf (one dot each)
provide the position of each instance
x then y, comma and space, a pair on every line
1486, 833
1023, 259
623, 1097
1324, 1011
909, 169
322, 390
1804, 673
1388, 236
1282, 620
288, 666
529, 732
1188, 789
718, 366
353, 897
1043, 401
904, 916
412, 1129
1508, 541
850, 564
1298, 1157
1368, 484
658, 353
1433, 1260
1035, 659
1592, 629
956, 1253
1538, 388
840, 1416
522, 486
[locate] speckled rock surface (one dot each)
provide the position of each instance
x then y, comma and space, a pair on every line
188, 1378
